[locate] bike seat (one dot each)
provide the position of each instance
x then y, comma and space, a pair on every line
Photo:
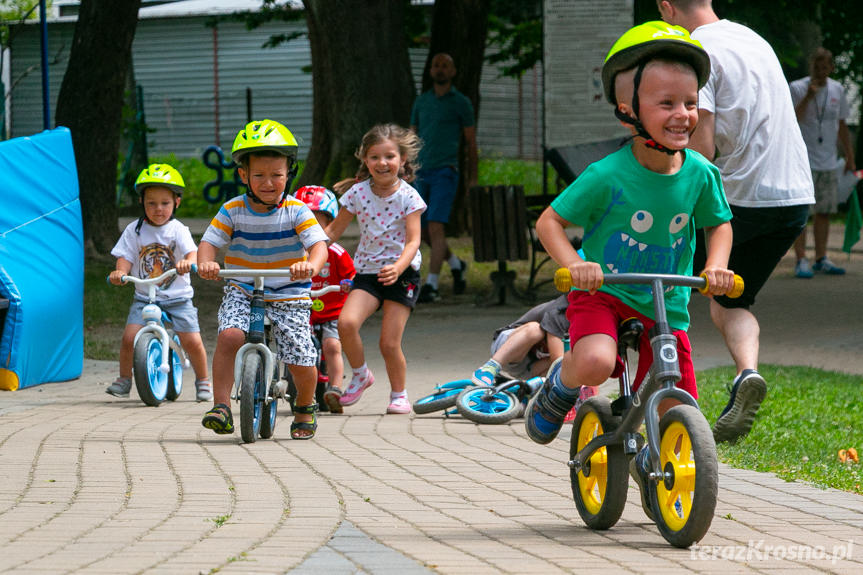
629, 332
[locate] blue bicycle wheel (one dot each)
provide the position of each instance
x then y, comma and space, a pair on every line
251, 397
444, 397
484, 405
175, 376
151, 383
268, 411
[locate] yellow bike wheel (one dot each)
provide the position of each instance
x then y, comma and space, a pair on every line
599, 487
686, 498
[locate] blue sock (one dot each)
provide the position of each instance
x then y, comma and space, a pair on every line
561, 390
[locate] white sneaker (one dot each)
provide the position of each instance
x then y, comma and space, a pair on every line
203, 390
803, 269
825, 266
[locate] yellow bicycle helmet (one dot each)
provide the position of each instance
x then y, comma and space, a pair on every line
264, 135
163, 175
650, 40
637, 47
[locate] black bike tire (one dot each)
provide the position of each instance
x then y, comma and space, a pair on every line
706, 477
617, 473
252, 371
465, 404
438, 401
174, 390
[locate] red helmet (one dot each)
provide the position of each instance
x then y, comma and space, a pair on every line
319, 199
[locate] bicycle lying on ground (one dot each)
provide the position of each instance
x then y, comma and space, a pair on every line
682, 464
496, 404
158, 357
499, 403
258, 378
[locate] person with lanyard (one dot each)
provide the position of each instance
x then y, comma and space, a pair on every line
821, 108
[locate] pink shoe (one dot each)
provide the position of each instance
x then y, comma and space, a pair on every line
356, 388
585, 393
399, 405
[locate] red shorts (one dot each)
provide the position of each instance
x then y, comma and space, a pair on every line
603, 313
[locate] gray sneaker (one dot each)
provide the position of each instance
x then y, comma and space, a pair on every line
203, 390
120, 387
736, 419
638, 472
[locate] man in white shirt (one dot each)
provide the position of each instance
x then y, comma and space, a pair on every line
822, 109
747, 127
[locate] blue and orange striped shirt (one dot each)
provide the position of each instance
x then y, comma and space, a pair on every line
270, 240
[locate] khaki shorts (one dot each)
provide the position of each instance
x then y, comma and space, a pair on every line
826, 192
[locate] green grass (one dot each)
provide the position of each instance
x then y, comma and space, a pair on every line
492, 171
527, 173
105, 310
808, 416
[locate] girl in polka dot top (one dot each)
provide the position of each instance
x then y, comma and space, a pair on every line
387, 259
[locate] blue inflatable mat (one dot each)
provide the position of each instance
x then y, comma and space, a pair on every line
41, 261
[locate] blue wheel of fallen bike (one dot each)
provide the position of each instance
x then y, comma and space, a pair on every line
175, 376
485, 405
444, 396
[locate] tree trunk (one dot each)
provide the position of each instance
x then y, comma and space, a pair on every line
459, 28
361, 76
90, 104
133, 140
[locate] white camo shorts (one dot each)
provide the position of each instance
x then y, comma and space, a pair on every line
290, 322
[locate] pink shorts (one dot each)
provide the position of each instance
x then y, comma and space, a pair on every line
603, 313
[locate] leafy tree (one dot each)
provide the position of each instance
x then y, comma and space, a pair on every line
90, 104
12, 12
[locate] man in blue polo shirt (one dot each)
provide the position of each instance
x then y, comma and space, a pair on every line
440, 117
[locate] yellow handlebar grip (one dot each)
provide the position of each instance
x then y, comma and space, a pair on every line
735, 292
562, 280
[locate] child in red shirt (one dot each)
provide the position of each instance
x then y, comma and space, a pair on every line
326, 309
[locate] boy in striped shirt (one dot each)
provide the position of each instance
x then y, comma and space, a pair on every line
265, 229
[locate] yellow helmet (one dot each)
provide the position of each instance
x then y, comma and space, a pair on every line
264, 135
651, 40
160, 175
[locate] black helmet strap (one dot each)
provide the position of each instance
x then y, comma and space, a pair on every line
292, 173
144, 218
635, 122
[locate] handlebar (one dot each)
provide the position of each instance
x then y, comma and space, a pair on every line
148, 281
563, 281
344, 286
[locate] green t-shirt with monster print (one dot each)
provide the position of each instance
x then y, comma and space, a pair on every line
639, 221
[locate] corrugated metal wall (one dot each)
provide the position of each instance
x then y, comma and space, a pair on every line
174, 63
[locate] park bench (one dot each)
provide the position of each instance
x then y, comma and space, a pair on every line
504, 218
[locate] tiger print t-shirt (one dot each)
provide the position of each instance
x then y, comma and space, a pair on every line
152, 252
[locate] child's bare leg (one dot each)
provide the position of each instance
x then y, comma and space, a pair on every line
305, 378
392, 328
194, 346
357, 309
591, 361
335, 364
230, 340
127, 351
